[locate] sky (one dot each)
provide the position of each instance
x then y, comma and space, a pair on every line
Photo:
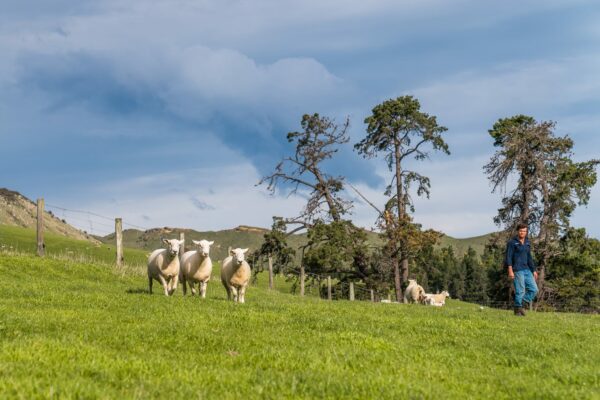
168, 113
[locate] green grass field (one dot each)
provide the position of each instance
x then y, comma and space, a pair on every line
23, 240
84, 330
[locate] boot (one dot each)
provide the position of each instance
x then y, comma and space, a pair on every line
519, 311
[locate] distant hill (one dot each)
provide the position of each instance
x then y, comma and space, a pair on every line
18, 210
252, 237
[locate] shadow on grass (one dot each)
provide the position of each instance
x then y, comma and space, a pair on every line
137, 291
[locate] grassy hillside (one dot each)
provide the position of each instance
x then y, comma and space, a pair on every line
73, 330
18, 210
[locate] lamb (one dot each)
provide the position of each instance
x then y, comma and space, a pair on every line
414, 292
196, 267
235, 275
437, 300
163, 265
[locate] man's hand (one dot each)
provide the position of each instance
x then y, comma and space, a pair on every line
511, 274
535, 275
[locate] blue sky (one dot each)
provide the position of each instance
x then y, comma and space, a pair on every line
168, 113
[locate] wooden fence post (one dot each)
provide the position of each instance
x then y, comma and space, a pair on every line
41, 247
351, 291
119, 240
372, 296
302, 274
270, 273
328, 287
182, 247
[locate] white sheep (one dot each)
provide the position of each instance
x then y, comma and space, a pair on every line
414, 292
235, 275
163, 265
196, 267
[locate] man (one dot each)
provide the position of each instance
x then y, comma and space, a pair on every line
521, 269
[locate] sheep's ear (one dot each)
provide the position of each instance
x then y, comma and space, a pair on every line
210, 243
181, 242
196, 242
165, 241
231, 252
244, 250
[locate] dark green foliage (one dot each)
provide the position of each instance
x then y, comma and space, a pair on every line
338, 249
573, 281
475, 286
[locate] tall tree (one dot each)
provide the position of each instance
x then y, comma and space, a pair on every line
400, 131
318, 141
549, 183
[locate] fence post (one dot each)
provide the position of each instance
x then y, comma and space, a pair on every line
270, 273
351, 291
372, 296
41, 247
302, 275
328, 287
119, 240
228, 252
389, 297
182, 247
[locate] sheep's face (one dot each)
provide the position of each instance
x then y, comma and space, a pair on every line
238, 255
412, 282
203, 247
445, 293
173, 246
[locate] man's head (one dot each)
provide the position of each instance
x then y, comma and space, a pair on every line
522, 231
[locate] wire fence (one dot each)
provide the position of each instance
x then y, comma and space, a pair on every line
100, 225
89, 221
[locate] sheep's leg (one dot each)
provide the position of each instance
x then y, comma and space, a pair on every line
234, 291
150, 285
242, 295
174, 281
203, 289
193, 287
164, 284
228, 293
183, 285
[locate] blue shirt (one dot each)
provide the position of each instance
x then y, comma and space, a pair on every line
519, 255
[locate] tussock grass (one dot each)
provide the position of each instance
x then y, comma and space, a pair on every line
84, 330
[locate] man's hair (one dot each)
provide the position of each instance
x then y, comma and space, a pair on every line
521, 225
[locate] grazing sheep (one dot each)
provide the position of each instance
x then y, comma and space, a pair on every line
196, 267
163, 265
235, 275
437, 300
414, 292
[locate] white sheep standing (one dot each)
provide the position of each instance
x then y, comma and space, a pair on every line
235, 275
414, 292
163, 265
196, 267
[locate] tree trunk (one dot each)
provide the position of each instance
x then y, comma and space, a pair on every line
401, 278
332, 209
397, 280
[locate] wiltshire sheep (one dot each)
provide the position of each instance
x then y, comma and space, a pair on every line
414, 292
196, 267
235, 275
163, 265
